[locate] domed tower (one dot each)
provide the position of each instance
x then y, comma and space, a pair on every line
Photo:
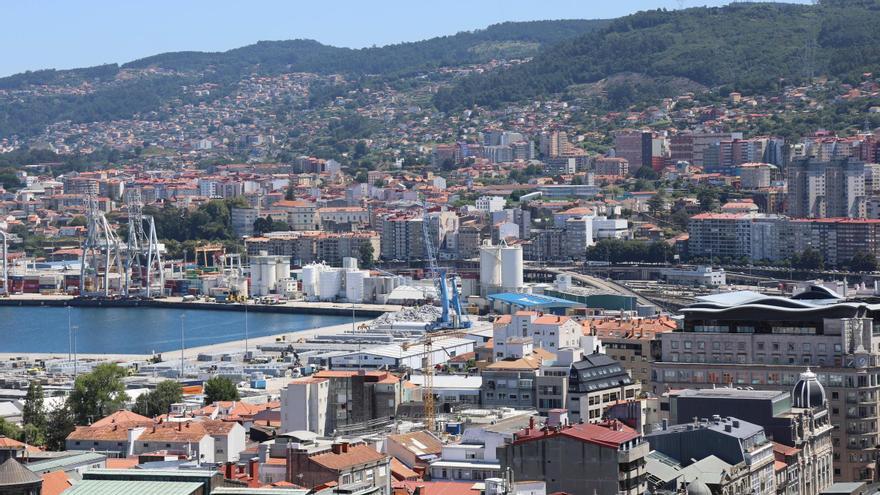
808, 393
697, 487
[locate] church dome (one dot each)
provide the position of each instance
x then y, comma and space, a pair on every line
808, 392
697, 487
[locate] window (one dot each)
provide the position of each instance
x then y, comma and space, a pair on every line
674, 344
688, 344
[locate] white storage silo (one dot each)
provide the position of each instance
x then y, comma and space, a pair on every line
354, 285
490, 266
282, 268
329, 284
310, 285
512, 268
349, 263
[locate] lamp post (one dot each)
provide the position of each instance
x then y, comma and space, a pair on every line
245, 328
182, 344
5, 262
75, 359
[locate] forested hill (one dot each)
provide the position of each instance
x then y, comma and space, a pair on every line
748, 46
509, 39
115, 97
506, 40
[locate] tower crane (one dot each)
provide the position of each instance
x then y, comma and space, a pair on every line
447, 324
428, 371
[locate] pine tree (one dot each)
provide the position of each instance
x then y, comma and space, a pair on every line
34, 412
58, 426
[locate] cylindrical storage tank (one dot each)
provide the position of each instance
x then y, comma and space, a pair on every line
490, 265
310, 279
282, 268
330, 284
354, 285
349, 263
267, 277
512, 267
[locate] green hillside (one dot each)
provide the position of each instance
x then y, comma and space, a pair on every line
748, 46
123, 99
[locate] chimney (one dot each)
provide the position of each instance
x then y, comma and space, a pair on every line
727, 428
229, 470
336, 448
420, 490
344, 447
665, 424
254, 468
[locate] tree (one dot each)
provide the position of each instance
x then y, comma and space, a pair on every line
646, 173
34, 412
708, 198
159, 401
366, 255
98, 393
220, 388
58, 425
77, 221
863, 262
657, 203
288, 194
262, 225
32, 435
809, 259
8, 429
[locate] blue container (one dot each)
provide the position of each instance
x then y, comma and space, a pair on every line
453, 428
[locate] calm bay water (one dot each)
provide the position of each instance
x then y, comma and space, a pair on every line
140, 330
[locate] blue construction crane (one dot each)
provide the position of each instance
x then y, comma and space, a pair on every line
445, 321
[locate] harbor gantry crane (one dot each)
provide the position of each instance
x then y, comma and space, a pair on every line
447, 325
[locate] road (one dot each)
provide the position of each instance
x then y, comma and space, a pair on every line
601, 284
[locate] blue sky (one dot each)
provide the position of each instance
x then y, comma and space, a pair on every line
38, 34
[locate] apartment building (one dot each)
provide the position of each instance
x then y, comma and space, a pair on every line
636, 147
308, 247
402, 236
633, 342
737, 236
798, 423
548, 332
352, 467
301, 215
334, 218
826, 189
614, 166
358, 401
304, 405
741, 450
765, 342
696, 147
755, 176
607, 457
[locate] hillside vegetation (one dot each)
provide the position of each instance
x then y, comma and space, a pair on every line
121, 99
747, 46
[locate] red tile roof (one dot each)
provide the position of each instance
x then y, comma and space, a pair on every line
608, 434
121, 417
356, 455
55, 483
